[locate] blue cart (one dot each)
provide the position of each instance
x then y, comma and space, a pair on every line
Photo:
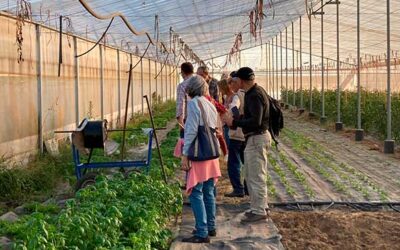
92, 136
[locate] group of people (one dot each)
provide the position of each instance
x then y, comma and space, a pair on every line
233, 114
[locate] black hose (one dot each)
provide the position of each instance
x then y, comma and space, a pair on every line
102, 36
141, 58
60, 49
165, 62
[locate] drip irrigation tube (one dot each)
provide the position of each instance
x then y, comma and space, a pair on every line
363, 206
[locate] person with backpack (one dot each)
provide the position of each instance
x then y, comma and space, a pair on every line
255, 124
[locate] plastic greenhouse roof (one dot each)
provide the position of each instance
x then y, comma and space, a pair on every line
209, 27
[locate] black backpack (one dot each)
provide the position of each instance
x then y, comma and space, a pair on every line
275, 118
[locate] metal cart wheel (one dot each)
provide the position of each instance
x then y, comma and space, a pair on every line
86, 180
127, 172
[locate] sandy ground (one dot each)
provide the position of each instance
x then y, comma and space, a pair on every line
338, 229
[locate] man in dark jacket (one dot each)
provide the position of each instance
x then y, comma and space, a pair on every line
254, 124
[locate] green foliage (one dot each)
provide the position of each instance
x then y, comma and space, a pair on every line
39, 177
282, 175
373, 109
270, 186
167, 152
300, 177
336, 173
115, 213
50, 208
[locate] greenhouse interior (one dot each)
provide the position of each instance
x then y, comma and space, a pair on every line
225, 124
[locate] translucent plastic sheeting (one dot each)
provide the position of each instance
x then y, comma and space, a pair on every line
208, 27
36, 101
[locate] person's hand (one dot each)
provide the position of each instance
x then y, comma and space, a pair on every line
180, 122
185, 166
228, 120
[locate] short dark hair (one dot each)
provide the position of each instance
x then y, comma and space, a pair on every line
187, 68
245, 73
204, 69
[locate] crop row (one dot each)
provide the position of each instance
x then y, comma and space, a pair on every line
321, 160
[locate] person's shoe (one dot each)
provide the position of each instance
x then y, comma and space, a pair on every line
249, 212
234, 194
196, 239
211, 233
252, 217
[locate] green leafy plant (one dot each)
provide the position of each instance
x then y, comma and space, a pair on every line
297, 174
282, 175
354, 178
373, 109
114, 213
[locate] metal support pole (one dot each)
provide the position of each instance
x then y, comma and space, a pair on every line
297, 69
266, 68
286, 55
119, 87
39, 89
277, 69
167, 77
359, 132
150, 93
161, 83
76, 73
280, 97
240, 58
339, 124
155, 73
389, 142
327, 73
293, 77
301, 69
311, 113
171, 95
323, 117
272, 69
132, 101
101, 82
142, 84
126, 111
164, 175
268, 65
212, 66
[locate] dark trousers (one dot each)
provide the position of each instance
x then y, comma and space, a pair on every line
226, 134
235, 161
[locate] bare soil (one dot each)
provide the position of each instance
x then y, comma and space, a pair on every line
338, 229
